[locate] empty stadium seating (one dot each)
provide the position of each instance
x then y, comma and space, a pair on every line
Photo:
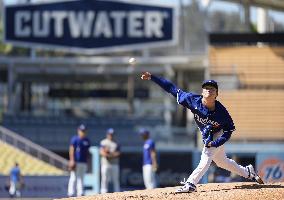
29, 165
255, 66
60, 129
257, 106
258, 114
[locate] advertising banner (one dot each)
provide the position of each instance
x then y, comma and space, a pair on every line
169, 174
271, 167
91, 26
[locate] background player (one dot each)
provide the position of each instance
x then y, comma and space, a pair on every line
215, 124
79, 154
150, 165
16, 181
110, 152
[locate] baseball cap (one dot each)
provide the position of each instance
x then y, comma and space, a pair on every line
143, 131
82, 127
110, 131
210, 83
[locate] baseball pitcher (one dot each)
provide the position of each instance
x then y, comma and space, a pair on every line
216, 126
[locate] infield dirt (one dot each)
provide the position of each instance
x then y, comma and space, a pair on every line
211, 191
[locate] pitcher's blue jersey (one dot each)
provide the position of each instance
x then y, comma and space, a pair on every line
219, 118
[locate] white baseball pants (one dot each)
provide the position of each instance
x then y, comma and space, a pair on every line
218, 155
77, 176
110, 173
14, 189
149, 177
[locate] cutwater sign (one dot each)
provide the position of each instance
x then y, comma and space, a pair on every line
91, 26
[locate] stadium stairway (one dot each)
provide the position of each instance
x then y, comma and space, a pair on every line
32, 158
29, 165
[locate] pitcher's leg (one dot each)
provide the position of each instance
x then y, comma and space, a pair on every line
221, 160
194, 178
205, 161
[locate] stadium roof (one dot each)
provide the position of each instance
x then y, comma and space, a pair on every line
46, 69
273, 4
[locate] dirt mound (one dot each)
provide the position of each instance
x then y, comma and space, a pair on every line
218, 191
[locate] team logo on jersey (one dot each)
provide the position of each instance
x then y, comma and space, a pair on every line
206, 121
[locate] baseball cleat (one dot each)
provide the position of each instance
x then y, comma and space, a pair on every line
258, 180
253, 175
187, 188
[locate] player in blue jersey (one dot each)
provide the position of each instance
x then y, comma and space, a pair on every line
16, 181
215, 124
79, 154
150, 165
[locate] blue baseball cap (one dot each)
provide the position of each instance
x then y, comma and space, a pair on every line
143, 131
82, 127
210, 83
110, 131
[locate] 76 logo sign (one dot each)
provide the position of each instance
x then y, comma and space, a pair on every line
272, 170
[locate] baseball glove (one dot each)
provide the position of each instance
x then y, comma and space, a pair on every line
208, 140
207, 129
207, 135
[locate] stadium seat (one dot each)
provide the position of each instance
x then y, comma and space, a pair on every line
258, 114
255, 66
60, 129
29, 165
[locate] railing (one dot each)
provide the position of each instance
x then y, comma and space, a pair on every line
33, 149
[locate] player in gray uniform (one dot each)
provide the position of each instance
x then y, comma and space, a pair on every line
215, 125
110, 152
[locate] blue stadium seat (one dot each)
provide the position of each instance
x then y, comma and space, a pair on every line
55, 132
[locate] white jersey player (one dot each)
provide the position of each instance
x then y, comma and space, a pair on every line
110, 152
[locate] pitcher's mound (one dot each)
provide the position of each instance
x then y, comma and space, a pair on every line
212, 191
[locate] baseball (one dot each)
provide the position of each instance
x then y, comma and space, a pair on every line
132, 61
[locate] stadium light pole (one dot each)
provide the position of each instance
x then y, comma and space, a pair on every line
1, 8
130, 89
